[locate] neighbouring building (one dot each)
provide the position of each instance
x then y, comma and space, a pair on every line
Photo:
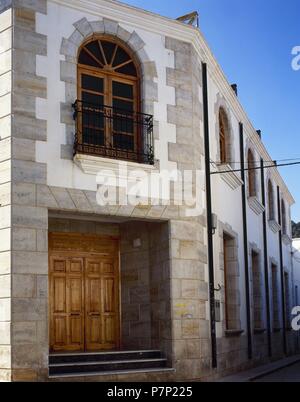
296, 281
131, 292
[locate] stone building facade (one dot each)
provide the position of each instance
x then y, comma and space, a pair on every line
47, 189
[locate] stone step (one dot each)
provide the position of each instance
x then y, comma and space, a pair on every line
126, 373
58, 358
106, 366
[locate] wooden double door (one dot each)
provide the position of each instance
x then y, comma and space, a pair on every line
84, 296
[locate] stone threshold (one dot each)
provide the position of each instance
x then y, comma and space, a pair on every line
112, 373
76, 364
113, 352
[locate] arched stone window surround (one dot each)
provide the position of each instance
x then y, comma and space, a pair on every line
284, 217
221, 107
85, 30
252, 177
271, 200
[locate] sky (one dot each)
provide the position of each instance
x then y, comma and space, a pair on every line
253, 42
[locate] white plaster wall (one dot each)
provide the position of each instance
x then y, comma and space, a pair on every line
227, 204
57, 24
64, 173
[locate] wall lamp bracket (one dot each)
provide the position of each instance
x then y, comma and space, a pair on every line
214, 223
219, 288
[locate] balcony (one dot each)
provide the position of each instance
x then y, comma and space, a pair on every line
113, 133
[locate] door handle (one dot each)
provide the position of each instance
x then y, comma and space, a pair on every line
94, 314
75, 315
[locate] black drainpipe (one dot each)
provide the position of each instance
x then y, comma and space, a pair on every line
245, 236
282, 274
266, 257
209, 220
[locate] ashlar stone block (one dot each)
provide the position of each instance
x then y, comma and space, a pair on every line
110, 26
30, 41
39, 6
84, 27
97, 26
136, 42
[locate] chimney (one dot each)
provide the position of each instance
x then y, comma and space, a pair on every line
235, 88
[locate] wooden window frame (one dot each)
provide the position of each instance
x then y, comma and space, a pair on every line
275, 297
271, 201
109, 77
251, 174
224, 137
283, 218
257, 291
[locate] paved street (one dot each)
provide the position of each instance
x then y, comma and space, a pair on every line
289, 374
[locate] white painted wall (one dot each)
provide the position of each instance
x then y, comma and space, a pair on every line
227, 204
58, 24
63, 18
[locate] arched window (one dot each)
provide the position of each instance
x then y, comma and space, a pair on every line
283, 217
271, 201
251, 174
109, 122
224, 137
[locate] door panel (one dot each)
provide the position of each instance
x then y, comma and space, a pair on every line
100, 298
75, 303
76, 334
59, 289
60, 331
93, 332
84, 301
94, 294
66, 304
75, 295
109, 330
109, 295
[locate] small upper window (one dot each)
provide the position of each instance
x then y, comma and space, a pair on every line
271, 201
251, 174
223, 137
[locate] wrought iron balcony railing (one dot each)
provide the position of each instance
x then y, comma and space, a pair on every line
113, 133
